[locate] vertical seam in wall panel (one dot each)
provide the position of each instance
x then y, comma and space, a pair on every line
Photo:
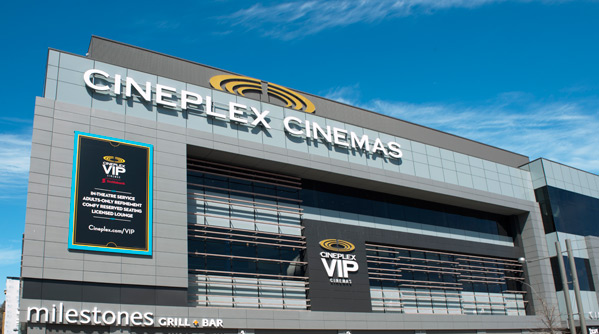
46, 77
47, 193
46, 80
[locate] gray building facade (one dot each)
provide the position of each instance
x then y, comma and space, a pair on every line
275, 210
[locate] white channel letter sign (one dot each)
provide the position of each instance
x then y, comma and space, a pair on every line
95, 316
170, 97
338, 264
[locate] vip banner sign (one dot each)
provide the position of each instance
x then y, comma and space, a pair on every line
111, 195
337, 267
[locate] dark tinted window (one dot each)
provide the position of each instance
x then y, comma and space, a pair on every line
583, 270
566, 211
357, 201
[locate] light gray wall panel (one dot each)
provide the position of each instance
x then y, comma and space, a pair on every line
51, 258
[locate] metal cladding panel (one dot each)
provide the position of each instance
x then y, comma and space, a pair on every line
45, 247
151, 62
86, 292
132, 57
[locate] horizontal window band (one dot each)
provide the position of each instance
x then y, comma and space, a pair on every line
451, 270
431, 292
441, 299
483, 278
450, 300
442, 286
240, 230
243, 201
485, 282
283, 306
206, 232
464, 257
507, 299
252, 177
458, 268
408, 258
257, 297
236, 273
244, 192
484, 259
272, 182
488, 268
466, 304
230, 167
281, 288
229, 203
256, 259
246, 241
240, 219
398, 271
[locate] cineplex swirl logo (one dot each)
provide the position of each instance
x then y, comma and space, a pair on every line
338, 263
239, 85
337, 245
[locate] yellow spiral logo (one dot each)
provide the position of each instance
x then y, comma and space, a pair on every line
337, 245
239, 85
114, 159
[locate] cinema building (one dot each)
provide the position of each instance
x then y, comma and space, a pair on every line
167, 196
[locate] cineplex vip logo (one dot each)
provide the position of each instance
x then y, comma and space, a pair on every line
114, 168
338, 263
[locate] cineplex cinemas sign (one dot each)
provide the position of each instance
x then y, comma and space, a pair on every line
58, 314
238, 113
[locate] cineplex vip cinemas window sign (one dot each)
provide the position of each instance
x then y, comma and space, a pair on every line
338, 263
111, 195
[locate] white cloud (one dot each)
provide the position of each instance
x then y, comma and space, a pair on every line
295, 19
348, 94
9, 256
563, 131
14, 164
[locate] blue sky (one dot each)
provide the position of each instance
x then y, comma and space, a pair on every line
520, 75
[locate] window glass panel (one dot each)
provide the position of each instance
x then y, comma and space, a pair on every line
244, 266
267, 252
268, 267
218, 247
357, 201
218, 263
572, 212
